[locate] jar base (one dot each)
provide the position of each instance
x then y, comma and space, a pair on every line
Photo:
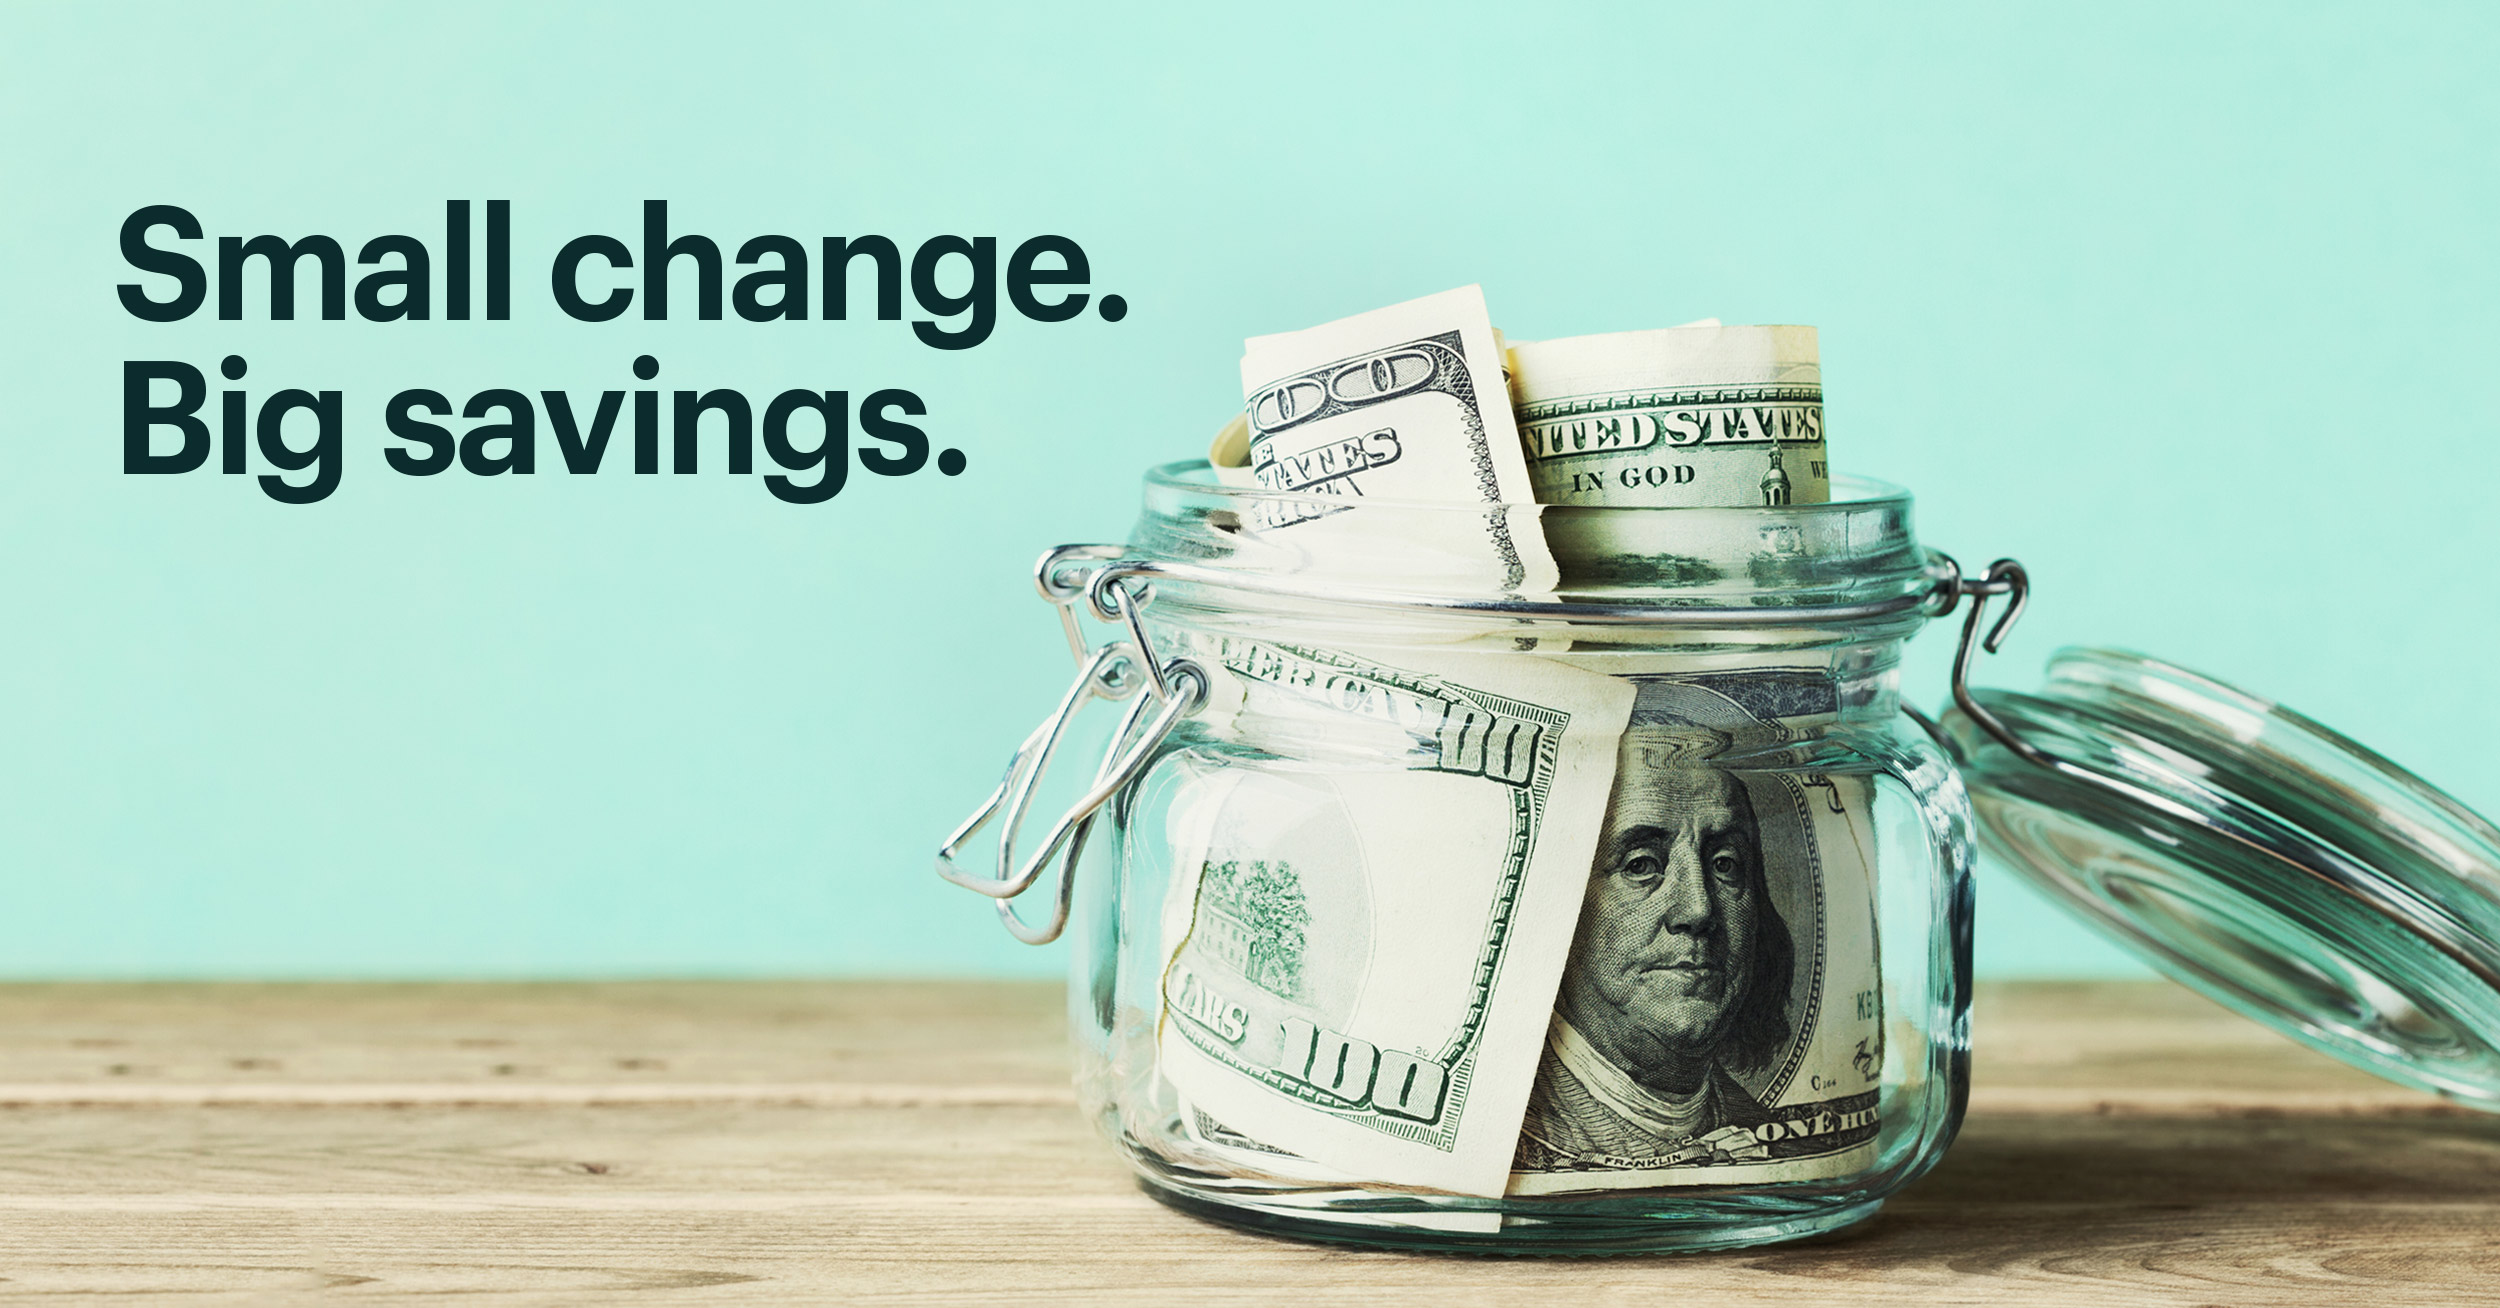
1647, 1225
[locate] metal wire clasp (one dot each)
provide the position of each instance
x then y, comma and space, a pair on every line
2003, 577
1116, 670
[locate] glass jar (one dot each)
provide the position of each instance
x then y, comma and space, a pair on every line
1439, 904
1574, 880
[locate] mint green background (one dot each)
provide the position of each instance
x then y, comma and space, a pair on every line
2190, 307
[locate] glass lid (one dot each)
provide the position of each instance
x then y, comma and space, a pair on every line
2276, 866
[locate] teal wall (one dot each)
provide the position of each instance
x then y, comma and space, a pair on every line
2189, 306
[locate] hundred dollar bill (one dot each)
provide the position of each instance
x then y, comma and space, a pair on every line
1363, 944
1720, 1019
1695, 415
1229, 453
1406, 403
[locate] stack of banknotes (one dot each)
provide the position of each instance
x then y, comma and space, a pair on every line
1555, 919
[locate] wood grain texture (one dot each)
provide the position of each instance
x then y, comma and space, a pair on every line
917, 1144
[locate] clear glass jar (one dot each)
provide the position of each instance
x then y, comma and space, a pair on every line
1759, 1038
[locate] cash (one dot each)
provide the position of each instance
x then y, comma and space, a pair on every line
1696, 415
1406, 404
1362, 959
1528, 920
1229, 454
1719, 1021
1712, 1014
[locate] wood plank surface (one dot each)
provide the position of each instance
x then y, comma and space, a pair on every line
918, 1143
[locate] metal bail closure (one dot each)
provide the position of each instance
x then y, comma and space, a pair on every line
1174, 691
2279, 868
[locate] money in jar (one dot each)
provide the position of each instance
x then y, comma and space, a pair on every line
1514, 841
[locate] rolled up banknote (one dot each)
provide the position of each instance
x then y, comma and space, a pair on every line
1695, 415
1363, 950
1405, 403
1720, 1019
1229, 454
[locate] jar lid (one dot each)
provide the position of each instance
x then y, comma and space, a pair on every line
2274, 865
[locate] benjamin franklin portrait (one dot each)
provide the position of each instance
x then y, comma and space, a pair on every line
1680, 979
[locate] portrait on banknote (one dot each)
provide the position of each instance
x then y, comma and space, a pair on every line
1701, 979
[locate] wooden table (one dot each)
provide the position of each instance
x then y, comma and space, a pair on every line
918, 1143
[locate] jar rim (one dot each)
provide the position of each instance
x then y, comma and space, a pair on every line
1847, 569
1851, 493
